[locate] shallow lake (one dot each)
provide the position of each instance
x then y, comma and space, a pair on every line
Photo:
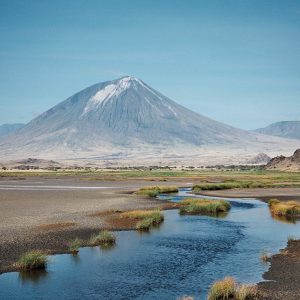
181, 257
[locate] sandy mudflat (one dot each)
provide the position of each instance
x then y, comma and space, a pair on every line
43, 213
283, 277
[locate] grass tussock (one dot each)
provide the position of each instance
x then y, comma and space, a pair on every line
228, 185
146, 218
153, 191
33, 260
194, 206
227, 288
74, 246
284, 209
222, 289
104, 238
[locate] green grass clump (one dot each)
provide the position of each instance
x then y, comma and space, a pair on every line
147, 218
153, 191
104, 238
74, 245
228, 185
227, 288
33, 260
203, 206
144, 225
284, 208
222, 289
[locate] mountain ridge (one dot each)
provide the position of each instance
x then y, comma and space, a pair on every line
286, 129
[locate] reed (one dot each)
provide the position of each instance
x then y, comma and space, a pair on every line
104, 238
153, 191
146, 218
285, 209
33, 260
196, 206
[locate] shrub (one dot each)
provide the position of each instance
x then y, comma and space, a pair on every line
222, 289
33, 260
104, 238
203, 206
153, 191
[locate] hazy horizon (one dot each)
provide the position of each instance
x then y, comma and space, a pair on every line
235, 62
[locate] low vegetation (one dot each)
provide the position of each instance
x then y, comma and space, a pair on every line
74, 246
104, 238
284, 208
222, 289
153, 191
33, 260
227, 288
194, 206
228, 185
146, 218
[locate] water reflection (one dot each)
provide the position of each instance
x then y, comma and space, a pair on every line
76, 258
285, 219
107, 247
34, 276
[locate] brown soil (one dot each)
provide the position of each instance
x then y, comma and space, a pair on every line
55, 226
284, 275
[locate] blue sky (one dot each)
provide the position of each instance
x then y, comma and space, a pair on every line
235, 61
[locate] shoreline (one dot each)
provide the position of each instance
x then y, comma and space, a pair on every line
283, 276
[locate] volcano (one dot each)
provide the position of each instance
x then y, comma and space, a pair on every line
126, 118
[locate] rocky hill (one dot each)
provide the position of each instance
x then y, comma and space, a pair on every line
282, 163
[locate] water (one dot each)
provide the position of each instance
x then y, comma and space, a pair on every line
182, 257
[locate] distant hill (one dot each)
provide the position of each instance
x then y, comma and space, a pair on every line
282, 163
7, 129
259, 159
287, 129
